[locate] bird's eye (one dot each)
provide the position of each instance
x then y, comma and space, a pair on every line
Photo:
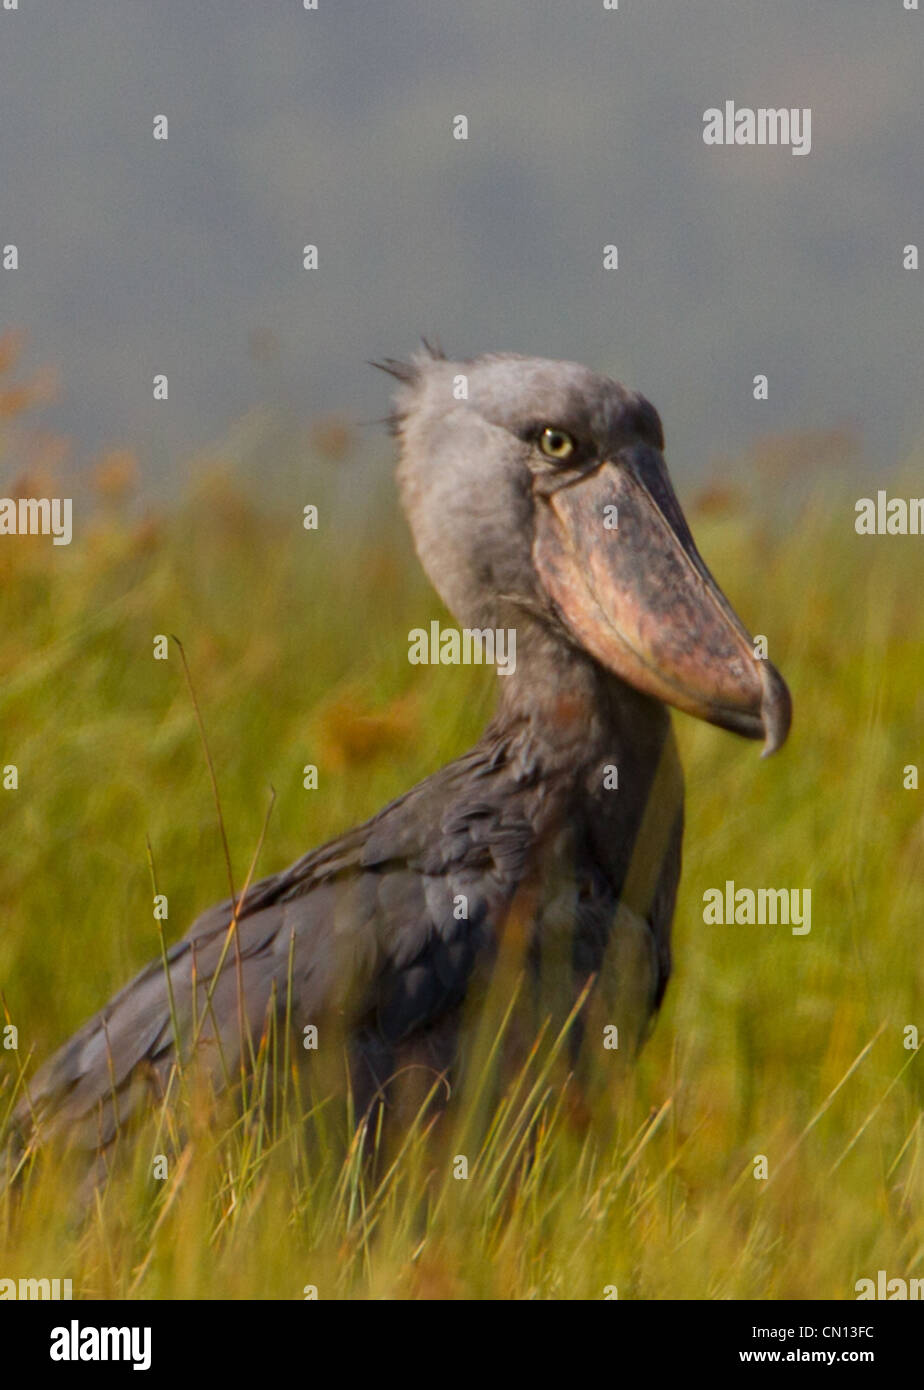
556, 444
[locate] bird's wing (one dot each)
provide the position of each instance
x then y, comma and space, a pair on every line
367, 926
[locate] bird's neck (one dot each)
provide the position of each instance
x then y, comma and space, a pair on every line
573, 712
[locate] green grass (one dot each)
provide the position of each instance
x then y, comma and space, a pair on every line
790, 1047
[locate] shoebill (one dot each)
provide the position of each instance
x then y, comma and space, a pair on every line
539, 501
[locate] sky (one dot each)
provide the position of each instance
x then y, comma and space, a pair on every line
334, 127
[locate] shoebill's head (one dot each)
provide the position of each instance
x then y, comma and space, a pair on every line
537, 491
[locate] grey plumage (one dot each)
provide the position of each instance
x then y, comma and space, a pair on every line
609, 625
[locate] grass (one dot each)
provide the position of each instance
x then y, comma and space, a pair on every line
768, 1043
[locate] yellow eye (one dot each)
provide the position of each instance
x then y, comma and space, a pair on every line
556, 444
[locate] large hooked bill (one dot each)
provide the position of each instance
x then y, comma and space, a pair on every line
639, 598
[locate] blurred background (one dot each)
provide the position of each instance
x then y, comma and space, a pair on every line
334, 127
